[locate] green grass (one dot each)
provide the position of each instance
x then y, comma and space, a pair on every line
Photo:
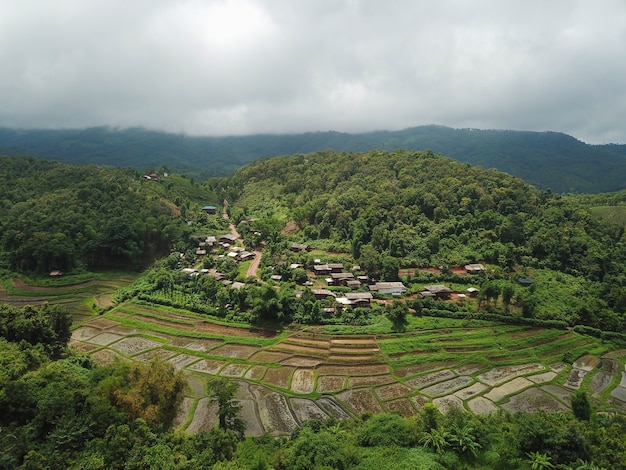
610, 214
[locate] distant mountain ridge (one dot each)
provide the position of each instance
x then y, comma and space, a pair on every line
548, 160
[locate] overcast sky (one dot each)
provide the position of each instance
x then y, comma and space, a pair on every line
232, 67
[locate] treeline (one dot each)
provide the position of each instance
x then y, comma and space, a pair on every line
59, 217
549, 160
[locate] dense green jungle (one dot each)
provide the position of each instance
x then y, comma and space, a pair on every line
551, 263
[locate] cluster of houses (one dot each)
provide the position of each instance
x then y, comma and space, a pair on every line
334, 274
226, 242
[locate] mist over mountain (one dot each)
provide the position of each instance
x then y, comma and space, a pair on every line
548, 160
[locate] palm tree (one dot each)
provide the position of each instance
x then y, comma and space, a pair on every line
436, 439
463, 439
539, 461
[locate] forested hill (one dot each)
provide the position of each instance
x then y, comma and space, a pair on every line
548, 160
59, 217
406, 208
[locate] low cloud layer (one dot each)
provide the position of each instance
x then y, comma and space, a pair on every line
231, 67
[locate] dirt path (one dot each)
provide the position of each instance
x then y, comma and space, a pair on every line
255, 264
253, 268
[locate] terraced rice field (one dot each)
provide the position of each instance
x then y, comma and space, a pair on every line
286, 378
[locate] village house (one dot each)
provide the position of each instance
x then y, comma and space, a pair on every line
321, 270
228, 238
321, 294
340, 279
394, 288
355, 299
436, 291
246, 255
474, 268
298, 247
209, 209
335, 267
472, 291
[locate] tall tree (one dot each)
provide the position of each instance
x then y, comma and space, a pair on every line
223, 394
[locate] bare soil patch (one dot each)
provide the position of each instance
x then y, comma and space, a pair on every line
84, 333
327, 384
351, 358
183, 413
616, 354
279, 377
356, 382
204, 418
305, 410
307, 341
154, 354
562, 394
575, 378
249, 414
182, 360
224, 330
195, 344
106, 356
469, 369
401, 406
256, 372
360, 401
445, 404
502, 374
471, 391
300, 350
542, 378
600, 381
197, 386
587, 362
338, 350
83, 347
610, 366
497, 394
332, 408
532, 401
130, 346
430, 379
301, 361
268, 357
104, 339
273, 411
421, 368
481, 406
235, 350
419, 401
234, 370
303, 381
449, 386
355, 342
103, 323
392, 391
104, 300
209, 366
619, 393
125, 331
353, 370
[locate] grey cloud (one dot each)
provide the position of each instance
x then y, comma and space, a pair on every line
246, 66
